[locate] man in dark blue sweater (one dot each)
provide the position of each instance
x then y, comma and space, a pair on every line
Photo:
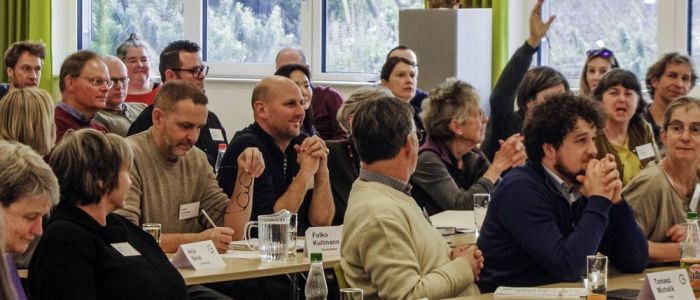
547, 216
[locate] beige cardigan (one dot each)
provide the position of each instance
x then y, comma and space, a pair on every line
391, 251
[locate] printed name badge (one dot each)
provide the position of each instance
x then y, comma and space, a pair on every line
216, 134
645, 151
326, 240
671, 285
126, 249
188, 211
200, 256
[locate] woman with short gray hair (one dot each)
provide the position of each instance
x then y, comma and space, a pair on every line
28, 190
451, 169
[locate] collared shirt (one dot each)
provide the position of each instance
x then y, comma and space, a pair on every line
74, 112
392, 182
571, 192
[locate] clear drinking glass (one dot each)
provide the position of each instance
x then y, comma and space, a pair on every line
293, 223
351, 294
481, 203
153, 229
597, 277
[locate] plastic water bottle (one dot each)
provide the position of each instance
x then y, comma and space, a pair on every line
316, 288
219, 157
690, 252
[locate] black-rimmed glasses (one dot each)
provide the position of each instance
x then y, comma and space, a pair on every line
243, 198
123, 80
196, 71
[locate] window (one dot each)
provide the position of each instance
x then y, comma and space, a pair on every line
343, 40
111, 22
251, 31
627, 27
358, 34
695, 31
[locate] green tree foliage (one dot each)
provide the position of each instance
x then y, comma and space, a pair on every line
581, 24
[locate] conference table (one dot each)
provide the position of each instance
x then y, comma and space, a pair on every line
247, 268
615, 282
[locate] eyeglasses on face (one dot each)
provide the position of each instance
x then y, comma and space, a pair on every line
679, 129
99, 81
123, 80
196, 71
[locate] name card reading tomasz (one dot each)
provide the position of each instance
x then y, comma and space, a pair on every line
326, 240
667, 285
200, 255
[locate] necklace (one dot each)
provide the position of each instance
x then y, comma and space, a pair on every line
685, 191
355, 163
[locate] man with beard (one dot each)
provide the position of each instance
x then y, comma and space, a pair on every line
182, 60
23, 63
173, 182
547, 216
670, 77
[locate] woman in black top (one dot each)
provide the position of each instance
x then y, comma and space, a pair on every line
86, 251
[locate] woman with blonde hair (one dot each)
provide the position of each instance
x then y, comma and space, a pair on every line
598, 62
26, 116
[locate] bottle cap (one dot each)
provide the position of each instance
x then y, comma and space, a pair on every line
692, 215
222, 146
316, 257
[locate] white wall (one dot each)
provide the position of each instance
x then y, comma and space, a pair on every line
230, 100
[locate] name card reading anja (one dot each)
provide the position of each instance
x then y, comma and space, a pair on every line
200, 255
325, 240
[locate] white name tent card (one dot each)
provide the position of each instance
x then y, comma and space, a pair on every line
189, 210
325, 240
539, 293
667, 285
200, 255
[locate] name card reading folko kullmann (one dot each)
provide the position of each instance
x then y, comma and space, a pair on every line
325, 239
200, 255
667, 285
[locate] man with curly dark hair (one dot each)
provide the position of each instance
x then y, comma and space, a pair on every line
564, 204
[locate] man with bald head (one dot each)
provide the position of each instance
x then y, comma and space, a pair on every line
325, 101
118, 115
294, 163
84, 83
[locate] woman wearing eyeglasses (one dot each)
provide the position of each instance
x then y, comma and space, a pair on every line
626, 135
598, 62
450, 168
135, 53
660, 195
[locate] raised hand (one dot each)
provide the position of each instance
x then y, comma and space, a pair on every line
538, 29
251, 161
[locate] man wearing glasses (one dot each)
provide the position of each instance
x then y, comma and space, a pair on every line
84, 83
118, 115
23, 63
182, 60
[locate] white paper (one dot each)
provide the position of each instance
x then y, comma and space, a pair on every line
188, 211
241, 254
126, 249
200, 255
645, 151
694, 198
538, 293
242, 246
216, 134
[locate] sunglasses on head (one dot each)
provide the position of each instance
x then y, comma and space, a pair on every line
604, 53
